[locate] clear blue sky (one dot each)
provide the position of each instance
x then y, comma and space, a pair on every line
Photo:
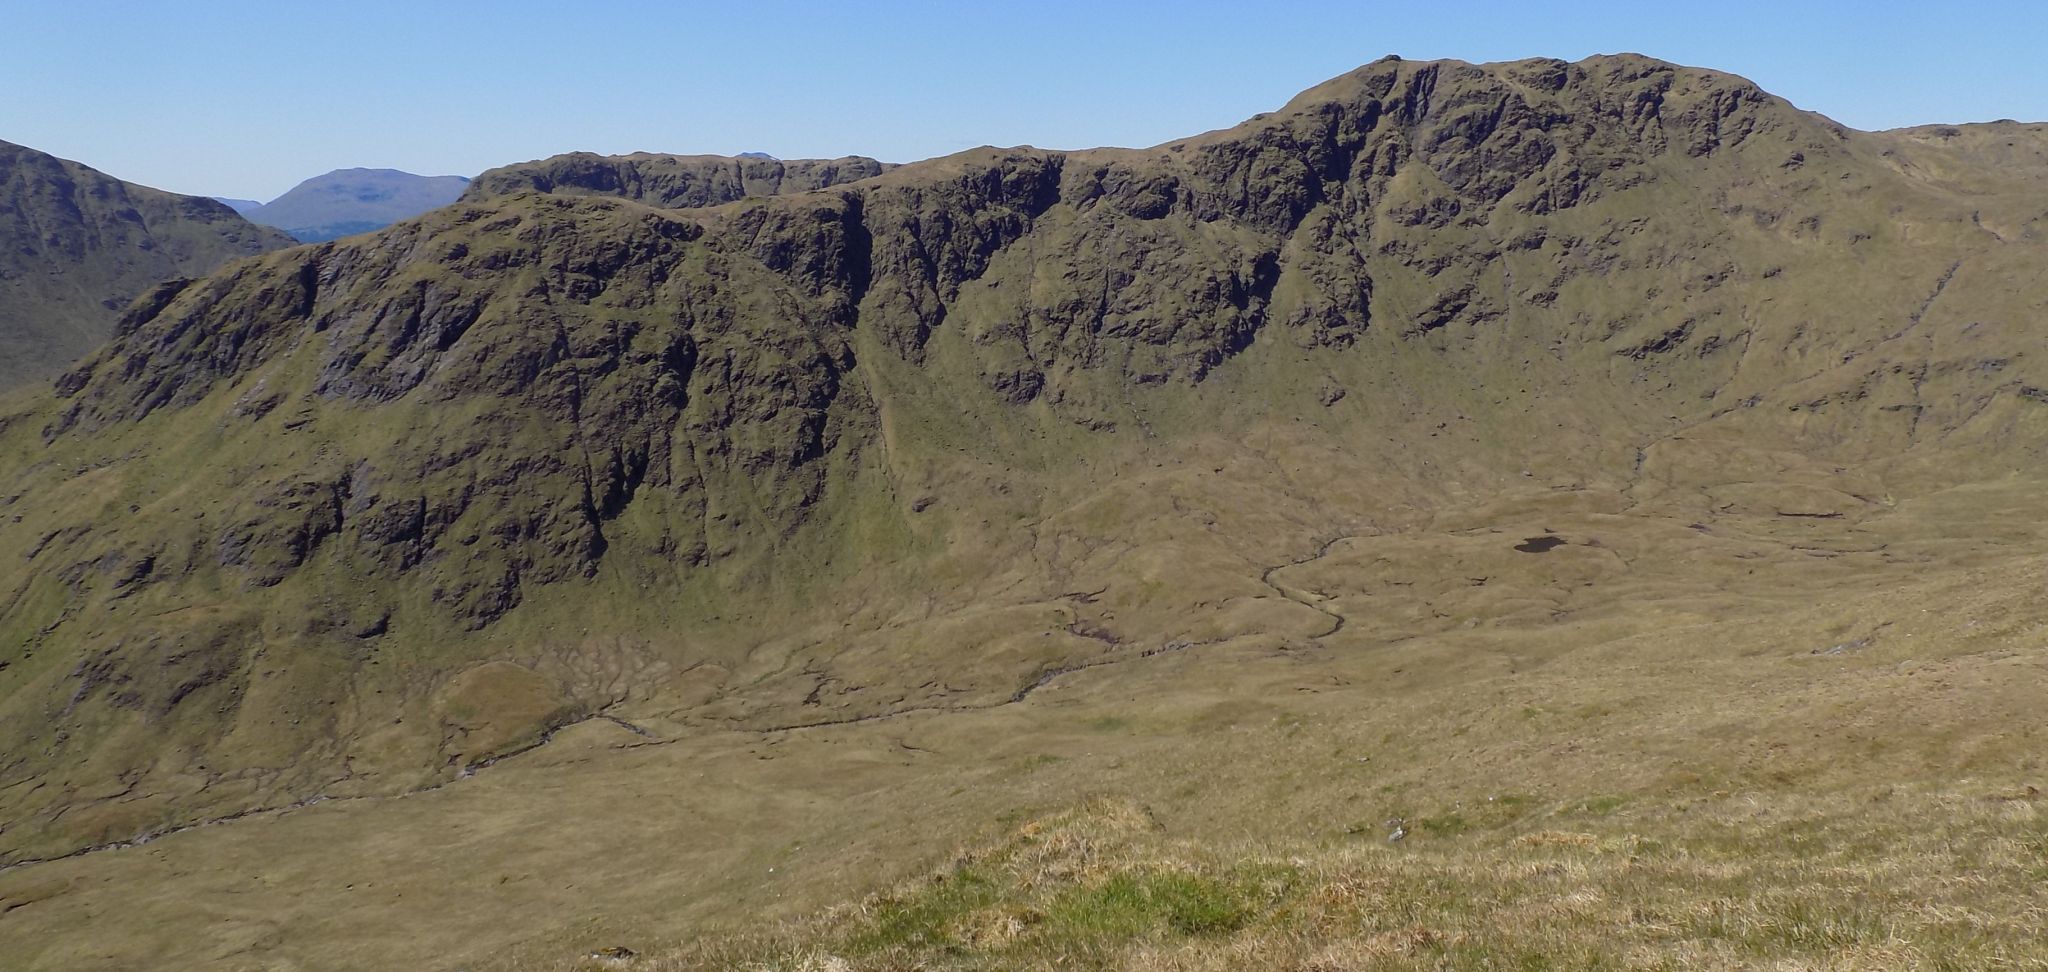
247, 98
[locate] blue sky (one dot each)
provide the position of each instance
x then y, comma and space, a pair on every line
246, 98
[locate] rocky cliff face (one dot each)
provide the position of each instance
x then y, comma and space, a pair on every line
79, 245
354, 516
594, 379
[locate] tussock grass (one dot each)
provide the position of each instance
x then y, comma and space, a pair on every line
1882, 880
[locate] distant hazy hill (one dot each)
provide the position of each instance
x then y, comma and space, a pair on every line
348, 201
76, 246
243, 206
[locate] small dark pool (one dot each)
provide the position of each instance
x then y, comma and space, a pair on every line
1542, 544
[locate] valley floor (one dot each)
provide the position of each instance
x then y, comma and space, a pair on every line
1737, 740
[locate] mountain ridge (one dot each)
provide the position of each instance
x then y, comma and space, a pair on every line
80, 244
676, 442
671, 181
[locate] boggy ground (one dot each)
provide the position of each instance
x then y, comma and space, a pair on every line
1704, 731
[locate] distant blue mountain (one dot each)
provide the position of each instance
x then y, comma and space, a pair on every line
349, 201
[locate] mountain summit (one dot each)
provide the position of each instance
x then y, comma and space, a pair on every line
745, 444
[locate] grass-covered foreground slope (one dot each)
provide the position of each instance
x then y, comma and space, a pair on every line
1580, 431
77, 245
1501, 884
